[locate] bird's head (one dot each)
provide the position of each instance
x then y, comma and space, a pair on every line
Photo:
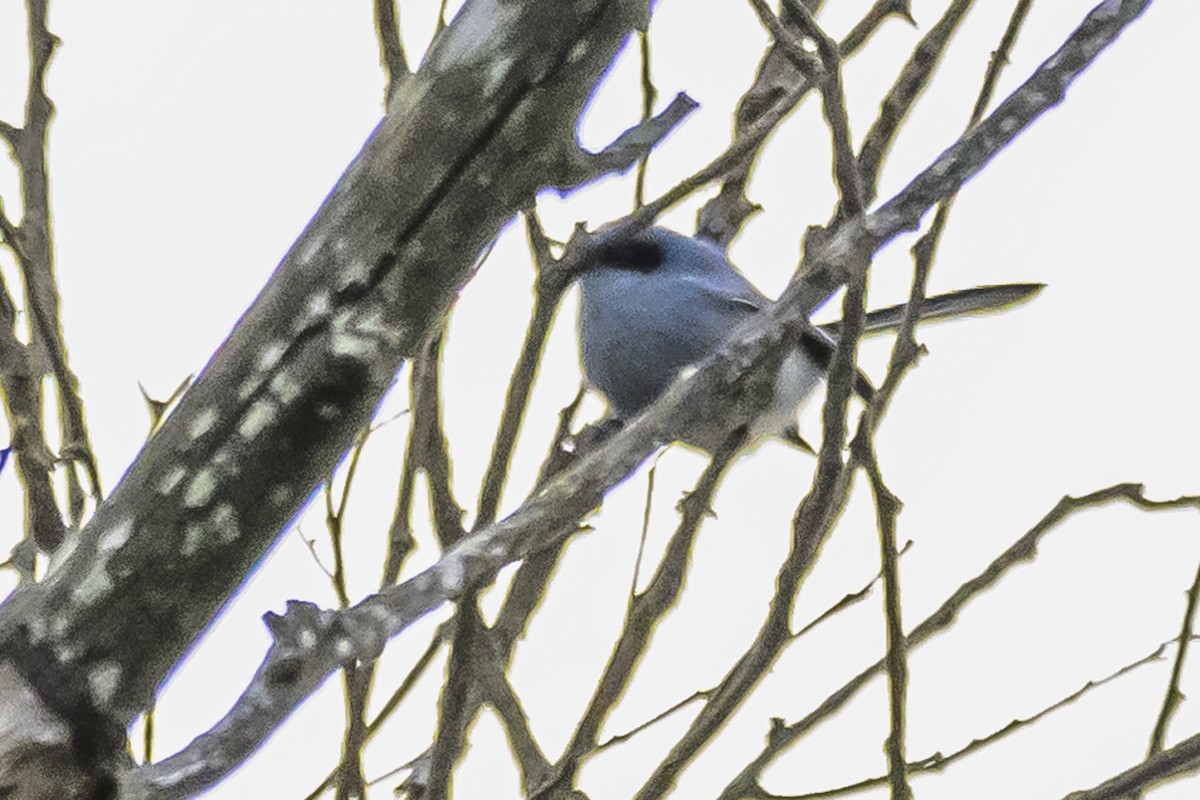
654, 251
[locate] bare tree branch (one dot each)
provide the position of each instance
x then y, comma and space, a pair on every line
22, 366
887, 508
1023, 550
911, 82
391, 46
646, 609
32, 243
778, 88
1170, 764
1174, 696
649, 97
389, 707
938, 762
549, 286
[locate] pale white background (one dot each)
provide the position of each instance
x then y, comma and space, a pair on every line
194, 140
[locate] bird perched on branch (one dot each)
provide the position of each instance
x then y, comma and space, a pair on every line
656, 301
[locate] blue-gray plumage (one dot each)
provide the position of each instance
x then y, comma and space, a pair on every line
657, 301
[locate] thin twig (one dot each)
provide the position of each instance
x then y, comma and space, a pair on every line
914, 77
904, 354
851, 206
641, 551
389, 707
649, 96
391, 46
704, 694
355, 680
441, 20
148, 736
311, 544
548, 291
619, 738
887, 507
845, 166
938, 762
1174, 696
499, 693
643, 614
432, 448
459, 704
335, 517
160, 408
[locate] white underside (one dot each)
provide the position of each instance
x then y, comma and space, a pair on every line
797, 378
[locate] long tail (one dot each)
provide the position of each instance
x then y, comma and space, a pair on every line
980, 300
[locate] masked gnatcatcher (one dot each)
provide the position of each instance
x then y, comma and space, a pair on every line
656, 301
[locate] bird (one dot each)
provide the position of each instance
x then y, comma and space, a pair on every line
655, 301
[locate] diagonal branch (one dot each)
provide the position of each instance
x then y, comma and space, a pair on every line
1167, 765
914, 77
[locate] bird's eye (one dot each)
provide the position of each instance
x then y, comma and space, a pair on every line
636, 255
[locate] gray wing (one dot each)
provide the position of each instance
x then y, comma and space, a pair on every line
731, 290
817, 344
